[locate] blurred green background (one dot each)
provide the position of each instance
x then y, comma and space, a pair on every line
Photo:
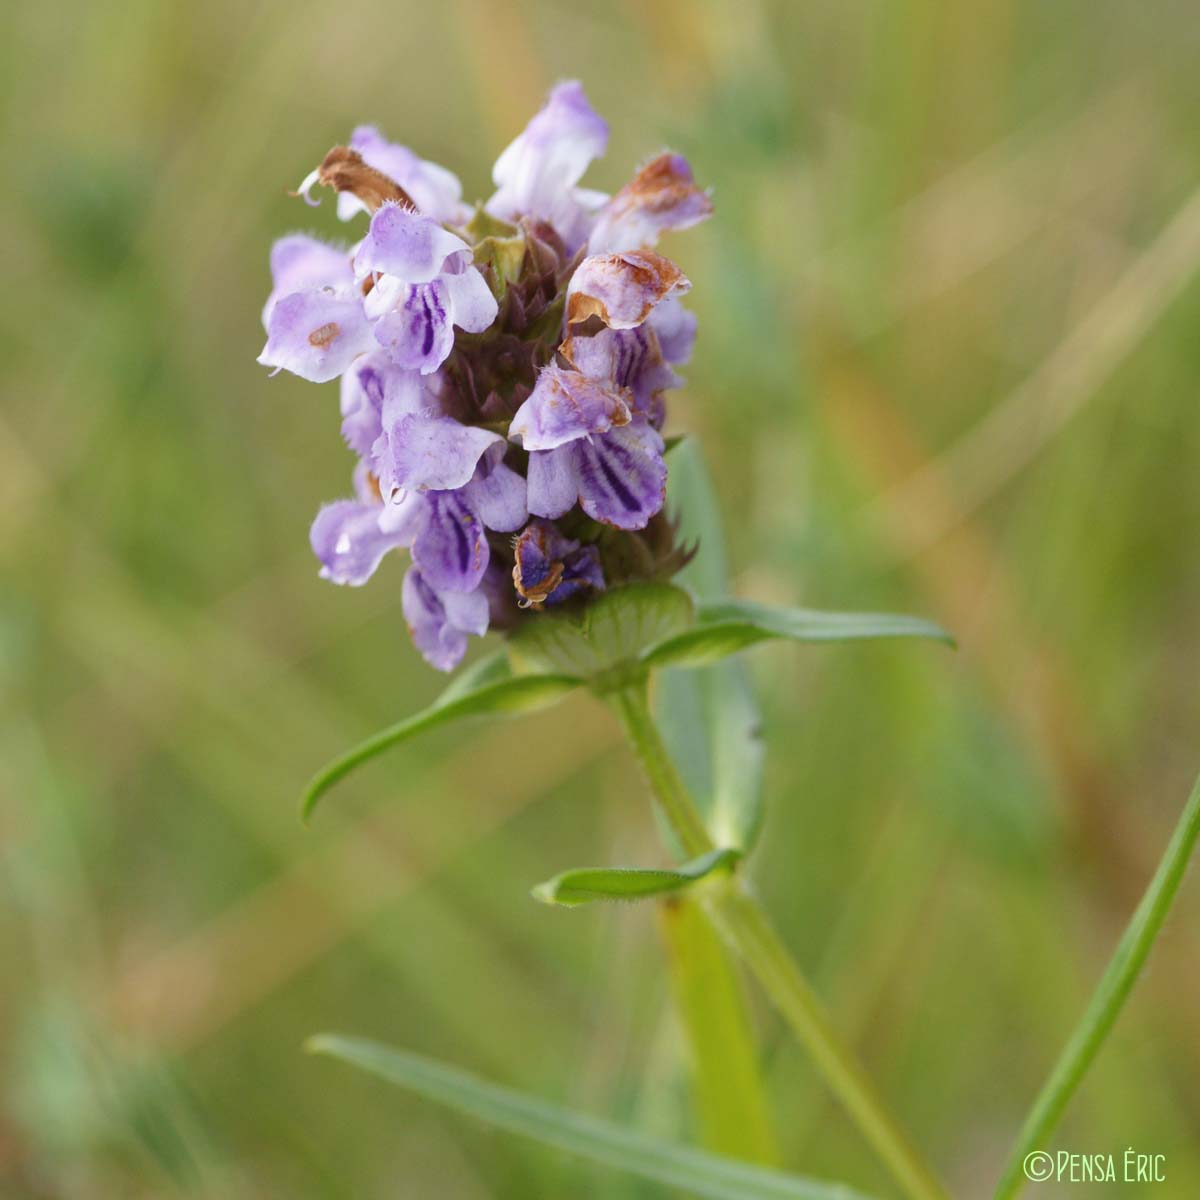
947, 365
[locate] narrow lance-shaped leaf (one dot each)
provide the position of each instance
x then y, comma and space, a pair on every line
692, 1171
724, 627
1108, 999
492, 690
585, 884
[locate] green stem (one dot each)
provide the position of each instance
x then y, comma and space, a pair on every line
745, 928
727, 1086
1108, 999
673, 800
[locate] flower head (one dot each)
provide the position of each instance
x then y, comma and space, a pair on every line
502, 371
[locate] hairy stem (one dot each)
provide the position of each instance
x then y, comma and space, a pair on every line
1108, 999
669, 791
742, 923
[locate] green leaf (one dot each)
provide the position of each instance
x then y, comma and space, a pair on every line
1109, 998
607, 635
727, 626
693, 1171
730, 1099
585, 884
708, 716
494, 690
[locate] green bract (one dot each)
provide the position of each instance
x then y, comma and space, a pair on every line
611, 644
605, 642
585, 884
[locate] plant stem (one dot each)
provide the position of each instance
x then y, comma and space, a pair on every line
740, 920
669, 791
727, 1086
1108, 999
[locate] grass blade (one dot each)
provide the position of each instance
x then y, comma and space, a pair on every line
582, 885
505, 695
1108, 999
697, 1172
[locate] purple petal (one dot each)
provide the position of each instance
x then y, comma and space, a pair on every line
565, 405
451, 549
537, 173
675, 328
300, 263
372, 386
467, 611
497, 493
553, 481
431, 453
316, 334
347, 539
408, 246
622, 476
419, 335
472, 305
435, 191
661, 196
439, 622
630, 358
622, 289
404, 514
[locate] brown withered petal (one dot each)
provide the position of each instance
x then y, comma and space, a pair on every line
344, 170
662, 196
622, 289
663, 185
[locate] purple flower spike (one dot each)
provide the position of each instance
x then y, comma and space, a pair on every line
451, 338
537, 173
439, 622
660, 197
622, 289
551, 568
316, 334
566, 405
